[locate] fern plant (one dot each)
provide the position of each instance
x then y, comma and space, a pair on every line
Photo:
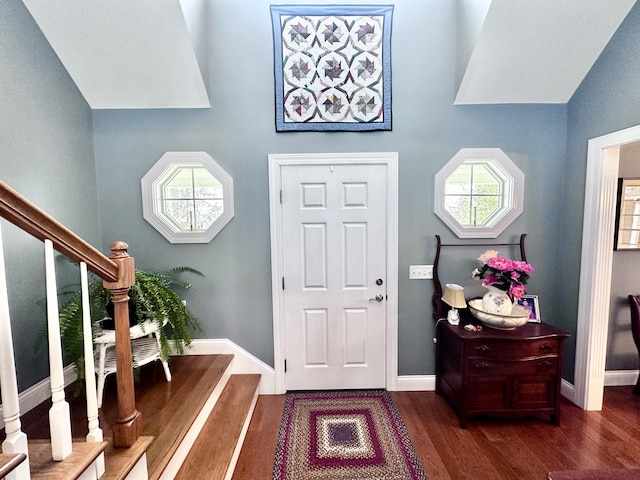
152, 297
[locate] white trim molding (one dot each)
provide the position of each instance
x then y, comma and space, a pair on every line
620, 378
243, 361
276, 162
416, 383
595, 276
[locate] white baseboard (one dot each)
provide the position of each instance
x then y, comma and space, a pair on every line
40, 392
427, 383
567, 390
243, 361
612, 378
620, 378
416, 383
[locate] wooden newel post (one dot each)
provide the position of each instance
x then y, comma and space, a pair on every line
128, 426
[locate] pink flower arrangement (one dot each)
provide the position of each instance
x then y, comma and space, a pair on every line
503, 273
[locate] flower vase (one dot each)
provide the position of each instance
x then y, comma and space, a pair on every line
496, 301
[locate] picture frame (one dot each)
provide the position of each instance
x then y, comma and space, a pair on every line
627, 231
531, 303
332, 67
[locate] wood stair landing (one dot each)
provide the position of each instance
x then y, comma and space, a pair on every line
44, 468
173, 413
215, 451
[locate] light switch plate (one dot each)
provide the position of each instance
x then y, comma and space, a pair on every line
420, 272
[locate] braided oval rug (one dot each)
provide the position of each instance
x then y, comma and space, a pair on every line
344, 435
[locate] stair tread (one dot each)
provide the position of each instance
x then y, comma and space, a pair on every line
9, 461
214, 447
43, 467
176, 425
120, 461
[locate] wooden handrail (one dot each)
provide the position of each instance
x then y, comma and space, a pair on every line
25, 215
118, 275
9, 462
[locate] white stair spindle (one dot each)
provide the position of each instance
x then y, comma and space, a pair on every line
95, 432
16, 440
59, 415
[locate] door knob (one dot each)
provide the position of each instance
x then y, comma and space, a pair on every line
378, 298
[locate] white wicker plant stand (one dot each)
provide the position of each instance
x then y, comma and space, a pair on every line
145, 348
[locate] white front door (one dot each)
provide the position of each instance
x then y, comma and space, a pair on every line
334, 241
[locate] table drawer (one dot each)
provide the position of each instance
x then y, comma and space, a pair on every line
535, 366
513, 349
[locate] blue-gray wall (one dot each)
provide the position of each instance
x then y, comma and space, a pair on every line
46, 154
234, 301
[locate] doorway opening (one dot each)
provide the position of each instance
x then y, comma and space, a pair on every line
603, 158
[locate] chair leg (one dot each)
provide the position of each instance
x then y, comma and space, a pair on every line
167, 372
165, 365
636, 389
101, 375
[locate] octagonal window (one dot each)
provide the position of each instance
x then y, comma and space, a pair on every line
479, 192
187, 197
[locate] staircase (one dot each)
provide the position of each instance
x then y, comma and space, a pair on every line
193, 427
199, 429
203, 425
205, 430
217, 447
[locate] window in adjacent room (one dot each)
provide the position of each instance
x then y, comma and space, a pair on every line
627, 235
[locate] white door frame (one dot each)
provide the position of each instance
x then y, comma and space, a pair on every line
276, 162
603, 157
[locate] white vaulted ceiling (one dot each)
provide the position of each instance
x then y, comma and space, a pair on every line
124, 53
531, 51
133, 54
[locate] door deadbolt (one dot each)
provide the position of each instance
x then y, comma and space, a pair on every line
379, 281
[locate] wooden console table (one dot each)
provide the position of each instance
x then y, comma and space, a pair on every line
500, 373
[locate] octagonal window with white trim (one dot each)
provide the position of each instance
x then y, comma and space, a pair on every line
479, 192
187, 197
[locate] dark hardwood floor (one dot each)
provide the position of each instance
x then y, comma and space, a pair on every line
489, 449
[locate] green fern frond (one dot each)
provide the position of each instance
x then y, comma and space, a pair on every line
154, 298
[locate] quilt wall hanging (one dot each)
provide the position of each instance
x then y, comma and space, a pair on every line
332, 67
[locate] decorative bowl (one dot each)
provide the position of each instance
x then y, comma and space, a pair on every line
519, 316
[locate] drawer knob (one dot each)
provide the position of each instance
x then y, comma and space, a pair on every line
544, 365
546, 348
482, 365
483, 348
